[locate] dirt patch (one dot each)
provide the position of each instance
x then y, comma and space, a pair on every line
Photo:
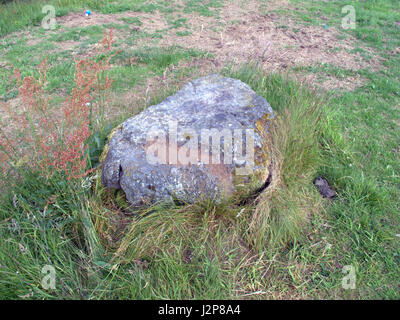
257, 36
395, 51
153, 21
33, 42
69, 45
13, 104
243, 33
78, 19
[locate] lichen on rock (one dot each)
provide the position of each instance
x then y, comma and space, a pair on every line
191, 146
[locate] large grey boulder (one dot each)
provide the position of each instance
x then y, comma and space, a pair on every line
201, 143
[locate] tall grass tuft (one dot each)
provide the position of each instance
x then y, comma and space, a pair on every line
101, 248
279, 214
294, 148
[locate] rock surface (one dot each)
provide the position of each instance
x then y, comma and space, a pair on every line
166, 151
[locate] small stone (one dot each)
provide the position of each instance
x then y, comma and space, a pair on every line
324, 189
187, 255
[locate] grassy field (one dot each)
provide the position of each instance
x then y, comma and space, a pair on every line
336, 93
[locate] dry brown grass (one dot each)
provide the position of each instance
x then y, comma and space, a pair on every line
244, 34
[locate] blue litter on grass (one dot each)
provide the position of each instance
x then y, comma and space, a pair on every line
88, 13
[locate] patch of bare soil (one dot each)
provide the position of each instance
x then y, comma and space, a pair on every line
13, 104
33, 42
243, 33
257, 37
153, 21
78, 19
9, 126
395, 51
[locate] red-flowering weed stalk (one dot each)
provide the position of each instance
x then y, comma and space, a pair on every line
58, 144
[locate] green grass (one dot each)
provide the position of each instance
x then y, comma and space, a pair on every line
364, 163
149, 61
133, 21
160, 235
24, 13
292, 244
